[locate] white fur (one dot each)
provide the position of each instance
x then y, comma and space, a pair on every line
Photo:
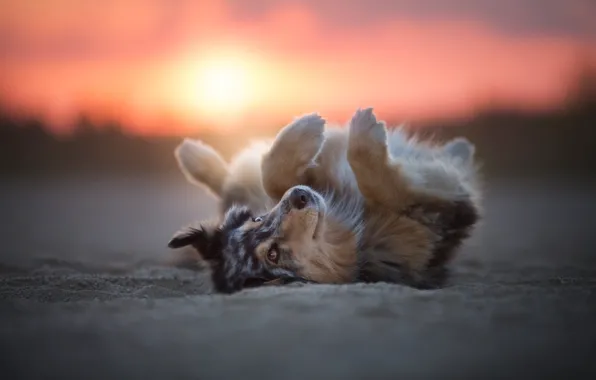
301, 141
447, 171
202, 165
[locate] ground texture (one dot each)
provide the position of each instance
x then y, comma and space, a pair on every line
84, 294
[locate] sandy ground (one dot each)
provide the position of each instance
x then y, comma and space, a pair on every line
83, 295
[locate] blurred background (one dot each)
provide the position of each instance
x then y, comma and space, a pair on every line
95, 95
111, 86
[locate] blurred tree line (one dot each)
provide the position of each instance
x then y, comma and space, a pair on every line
509, 142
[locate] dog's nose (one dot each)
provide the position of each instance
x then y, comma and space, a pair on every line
299, 198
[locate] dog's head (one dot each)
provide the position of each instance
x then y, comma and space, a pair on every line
249, 250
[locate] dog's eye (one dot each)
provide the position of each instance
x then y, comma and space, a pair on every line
273, 255
257, 219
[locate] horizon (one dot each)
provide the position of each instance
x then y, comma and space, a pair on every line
179, 68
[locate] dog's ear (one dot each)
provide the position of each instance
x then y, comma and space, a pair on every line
205, 239
202, 165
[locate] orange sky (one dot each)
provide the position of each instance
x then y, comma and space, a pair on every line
167, 66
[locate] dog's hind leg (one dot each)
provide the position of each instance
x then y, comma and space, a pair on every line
461, 149
202, 165
380, 178
293, 152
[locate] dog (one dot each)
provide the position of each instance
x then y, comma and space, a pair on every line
334, 204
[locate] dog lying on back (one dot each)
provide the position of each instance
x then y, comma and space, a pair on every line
334, 205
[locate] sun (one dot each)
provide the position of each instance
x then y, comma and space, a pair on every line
219, 88
223, 87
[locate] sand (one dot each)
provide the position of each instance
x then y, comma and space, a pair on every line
102, 305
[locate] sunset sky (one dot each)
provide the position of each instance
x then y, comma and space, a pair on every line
170, 66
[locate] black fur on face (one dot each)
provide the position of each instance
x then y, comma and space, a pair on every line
231, 250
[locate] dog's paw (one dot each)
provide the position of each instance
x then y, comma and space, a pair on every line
301, 140
304, 129
365, 128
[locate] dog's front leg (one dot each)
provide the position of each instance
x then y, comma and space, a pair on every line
380, 179
293, 152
